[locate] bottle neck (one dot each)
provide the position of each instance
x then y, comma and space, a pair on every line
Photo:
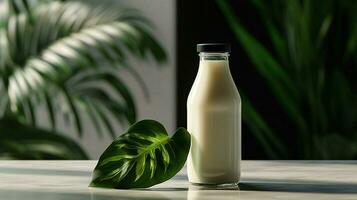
216, 64
205, 56
213, 71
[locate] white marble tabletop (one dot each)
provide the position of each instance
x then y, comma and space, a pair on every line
67, 180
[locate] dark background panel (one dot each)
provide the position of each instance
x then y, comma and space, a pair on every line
200, 21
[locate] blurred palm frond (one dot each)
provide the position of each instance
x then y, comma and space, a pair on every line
64, 55
310, 70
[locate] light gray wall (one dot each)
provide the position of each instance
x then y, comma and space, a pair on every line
160, 80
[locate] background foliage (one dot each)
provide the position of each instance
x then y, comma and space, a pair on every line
310, 68
62, 55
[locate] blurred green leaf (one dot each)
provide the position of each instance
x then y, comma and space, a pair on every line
277, 38
51, 49
57, 53
20, 141
313, 77
261, 130
277, 79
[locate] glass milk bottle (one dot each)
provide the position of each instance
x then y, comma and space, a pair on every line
214, 120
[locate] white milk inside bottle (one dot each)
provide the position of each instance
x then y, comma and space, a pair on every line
214, 120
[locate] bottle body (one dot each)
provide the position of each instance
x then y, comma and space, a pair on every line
214, 121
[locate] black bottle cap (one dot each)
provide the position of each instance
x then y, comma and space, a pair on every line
214, 47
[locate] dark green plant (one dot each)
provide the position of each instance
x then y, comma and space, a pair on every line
310, 70
63, 56
142, 157
23, 141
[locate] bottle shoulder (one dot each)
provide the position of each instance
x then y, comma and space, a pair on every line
201, 97
223, 90
214, 83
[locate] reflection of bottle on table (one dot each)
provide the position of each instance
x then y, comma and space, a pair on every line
203, 193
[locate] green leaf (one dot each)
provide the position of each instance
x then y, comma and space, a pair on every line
21, 141
142, 157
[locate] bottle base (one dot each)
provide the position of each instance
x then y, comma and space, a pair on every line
216, 186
